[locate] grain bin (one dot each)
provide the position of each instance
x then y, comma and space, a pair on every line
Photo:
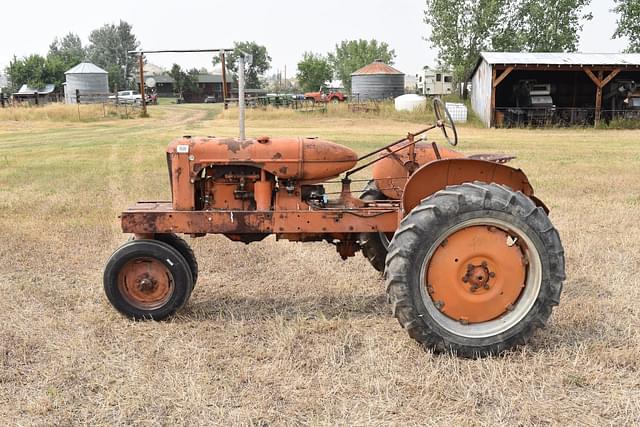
376, 81
91, 80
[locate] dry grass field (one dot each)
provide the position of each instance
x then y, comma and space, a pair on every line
281, 333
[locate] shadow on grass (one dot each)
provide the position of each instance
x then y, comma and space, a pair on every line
226, 307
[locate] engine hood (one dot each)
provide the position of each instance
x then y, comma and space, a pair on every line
306, 159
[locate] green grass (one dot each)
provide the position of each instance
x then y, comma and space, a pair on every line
286, 333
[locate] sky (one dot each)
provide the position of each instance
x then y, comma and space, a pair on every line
287, 28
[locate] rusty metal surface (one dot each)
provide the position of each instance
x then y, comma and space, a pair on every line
476, 276
306, 159
391, 175
145, 283
438, 174
160, 217
377, 67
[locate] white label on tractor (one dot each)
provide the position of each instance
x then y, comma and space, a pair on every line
182, 149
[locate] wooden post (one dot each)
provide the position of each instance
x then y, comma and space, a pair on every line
600, 83
598, 100
493, 98
224, 79
144, 100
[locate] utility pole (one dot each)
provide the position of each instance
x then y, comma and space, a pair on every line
241, 95
144, 100
225, 95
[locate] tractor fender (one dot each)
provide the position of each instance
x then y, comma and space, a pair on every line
439, 174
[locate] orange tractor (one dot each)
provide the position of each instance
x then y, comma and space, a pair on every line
471, 261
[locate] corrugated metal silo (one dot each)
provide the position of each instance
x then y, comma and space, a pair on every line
376, 81
91, 80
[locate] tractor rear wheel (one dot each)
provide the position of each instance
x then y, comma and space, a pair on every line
474, 270
147, 279
374, 245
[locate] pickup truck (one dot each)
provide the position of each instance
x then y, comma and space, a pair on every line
127, 97
325, 94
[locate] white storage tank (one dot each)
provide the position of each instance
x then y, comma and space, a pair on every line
458, 112
410, 102
91, 80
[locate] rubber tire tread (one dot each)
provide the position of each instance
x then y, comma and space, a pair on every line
423, 226
164, 253
185, 250
371, 244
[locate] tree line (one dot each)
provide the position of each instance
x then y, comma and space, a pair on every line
107, 48
461, 29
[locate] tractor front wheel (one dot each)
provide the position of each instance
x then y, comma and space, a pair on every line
147, 279
179, 244
474, 269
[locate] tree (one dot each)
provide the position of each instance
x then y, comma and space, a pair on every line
109, 49
63, 55
628, 23
350, 55
186, 84
69, 49
544, 25
313, 71
261, 62
177, 76
460, 30
30, 70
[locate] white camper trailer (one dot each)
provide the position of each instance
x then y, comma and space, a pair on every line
434, 82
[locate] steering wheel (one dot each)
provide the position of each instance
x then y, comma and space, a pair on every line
444, 122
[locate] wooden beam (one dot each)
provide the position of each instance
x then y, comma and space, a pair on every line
611, 76
503, 76
593, 77
525, 67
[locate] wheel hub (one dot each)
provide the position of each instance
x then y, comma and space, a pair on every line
146, 283
476, 275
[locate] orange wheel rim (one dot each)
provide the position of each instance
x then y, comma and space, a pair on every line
146, 283
477, 274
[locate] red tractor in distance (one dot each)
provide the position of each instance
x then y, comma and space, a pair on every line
325, 94
471, 261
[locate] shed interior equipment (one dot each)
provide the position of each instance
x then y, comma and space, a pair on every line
559, 90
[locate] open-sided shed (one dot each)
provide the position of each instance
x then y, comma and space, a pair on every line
555, 88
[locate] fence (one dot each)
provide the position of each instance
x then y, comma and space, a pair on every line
560, 117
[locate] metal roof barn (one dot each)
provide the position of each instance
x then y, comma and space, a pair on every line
91, 80
377, 81
549, 88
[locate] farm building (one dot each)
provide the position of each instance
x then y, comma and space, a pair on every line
29, 95
89, 80
209, 84
376, 81
560, 89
